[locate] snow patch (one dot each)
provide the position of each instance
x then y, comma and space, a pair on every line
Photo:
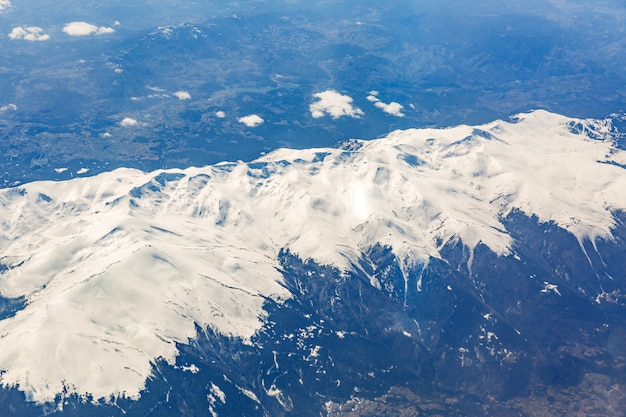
547, 287
249, 394
215, 395
191, 368
179, 247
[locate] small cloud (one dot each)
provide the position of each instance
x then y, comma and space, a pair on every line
252, 120
8, 107
86, 29
128, 122
4, 4
29, 33
60, 170
182, 95
393, 108
220, 114
159, 92
334, 104
82, 171
102, 30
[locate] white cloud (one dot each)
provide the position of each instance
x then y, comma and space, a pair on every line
335, 104
29, 33
82, 171
182, 95
8, 107
4, 4
103, 30
85, 29
220, 114
393, 108
252, 120
128, 122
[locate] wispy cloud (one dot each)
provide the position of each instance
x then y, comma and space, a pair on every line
28, 33
252, 120
393, 108
7, 107
4, 4
86, 29
334, 104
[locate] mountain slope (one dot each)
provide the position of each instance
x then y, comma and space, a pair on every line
118, 272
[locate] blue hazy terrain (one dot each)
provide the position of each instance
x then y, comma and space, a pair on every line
62, 99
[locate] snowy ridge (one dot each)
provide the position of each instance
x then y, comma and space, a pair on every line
119, 267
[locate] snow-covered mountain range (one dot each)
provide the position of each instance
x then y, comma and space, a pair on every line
116, 271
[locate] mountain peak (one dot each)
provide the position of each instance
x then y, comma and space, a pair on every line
118, 268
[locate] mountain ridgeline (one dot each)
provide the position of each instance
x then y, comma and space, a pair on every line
469, 271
